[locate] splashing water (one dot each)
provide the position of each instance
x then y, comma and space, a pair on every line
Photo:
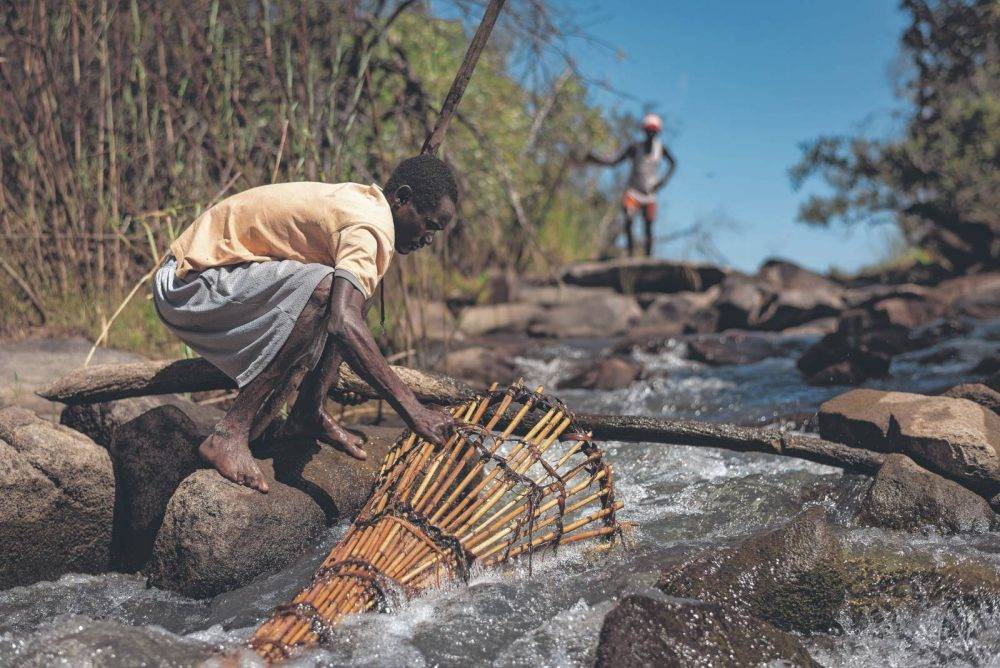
682, 499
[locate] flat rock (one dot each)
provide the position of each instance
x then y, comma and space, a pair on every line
978, 392
645, 275
609, 373
493, 318
481, 364
429, 320
790, 576
32, 364
646, 631
735, 347
58, 490
796, 306
956, 438
905, 496
216, 535
690, 312
598, 317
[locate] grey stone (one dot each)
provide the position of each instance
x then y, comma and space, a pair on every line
58, 491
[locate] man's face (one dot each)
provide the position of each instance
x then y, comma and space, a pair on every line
416, 229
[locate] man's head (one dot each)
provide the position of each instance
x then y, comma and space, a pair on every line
652, 124
423, 197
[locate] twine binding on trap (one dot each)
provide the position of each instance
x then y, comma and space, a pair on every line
516, 477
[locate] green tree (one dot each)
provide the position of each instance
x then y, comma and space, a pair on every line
939, 181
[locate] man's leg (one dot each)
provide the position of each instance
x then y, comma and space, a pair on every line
310, 418
629, 239
648, 217
227, 448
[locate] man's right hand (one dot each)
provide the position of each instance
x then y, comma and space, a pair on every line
432, 425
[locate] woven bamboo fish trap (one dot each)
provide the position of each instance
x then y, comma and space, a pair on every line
515, 478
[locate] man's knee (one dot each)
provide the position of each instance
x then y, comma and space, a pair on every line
321, 295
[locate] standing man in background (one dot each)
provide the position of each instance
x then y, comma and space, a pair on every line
643, 180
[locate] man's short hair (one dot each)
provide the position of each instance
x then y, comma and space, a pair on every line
429, 177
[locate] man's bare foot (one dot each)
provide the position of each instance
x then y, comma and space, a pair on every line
324, 428
232, 459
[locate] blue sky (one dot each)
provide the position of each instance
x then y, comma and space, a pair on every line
740, 85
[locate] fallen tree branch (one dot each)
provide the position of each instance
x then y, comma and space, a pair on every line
107, 382
118, 381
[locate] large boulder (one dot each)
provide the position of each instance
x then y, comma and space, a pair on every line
839, 359
645, 275
735, 347
907, 497
599, 317
796, 306
956, 438
609, 373
740, 302
494, 318
100, 421
787, 275
153, 453
978, 392
482, 365
646, 631
58, 491
790, 576
975, 295
429, 320
216, 535
689, 312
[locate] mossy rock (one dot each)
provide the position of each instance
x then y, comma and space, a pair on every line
791, 576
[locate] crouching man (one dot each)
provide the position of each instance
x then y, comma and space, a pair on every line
270, 286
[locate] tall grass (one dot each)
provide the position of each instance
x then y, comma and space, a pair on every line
123, 119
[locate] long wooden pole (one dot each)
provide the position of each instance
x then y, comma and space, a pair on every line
108, 382
454, 96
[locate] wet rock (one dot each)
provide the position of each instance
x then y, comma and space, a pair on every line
740, 301
652, 339
977, 392
610, 373
953, 437
598, 317
482, 365
216, 535
905, 496
644, 275
838, 359
881, 583
792, 307
494, 318
690, 312
735, 348
58, 492
791, 576
100, 421
647, 631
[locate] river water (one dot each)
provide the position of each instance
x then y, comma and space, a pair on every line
683, 500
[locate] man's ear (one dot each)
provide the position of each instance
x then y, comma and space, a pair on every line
403, 194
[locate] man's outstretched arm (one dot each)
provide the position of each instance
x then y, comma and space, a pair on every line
596, 159
346, 324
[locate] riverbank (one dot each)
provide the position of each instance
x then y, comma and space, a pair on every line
685, 501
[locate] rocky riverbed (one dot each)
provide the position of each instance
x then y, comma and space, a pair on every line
118, 550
